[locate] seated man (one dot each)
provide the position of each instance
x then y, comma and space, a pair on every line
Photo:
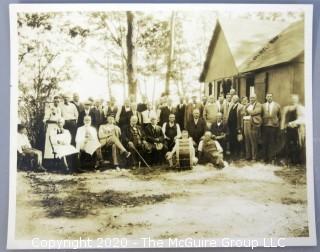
210, 151
155, 140
61, 145
196, 127
25, 150
134, 139
87, 140
183, 153
109, 135
219, 129
171, 131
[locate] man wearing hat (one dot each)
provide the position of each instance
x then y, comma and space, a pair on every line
87, 111
70, 115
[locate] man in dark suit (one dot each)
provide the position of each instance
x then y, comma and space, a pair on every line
133, 138
233, 128
124, 114
155, 139
165, 111
99, 114
111, 108
196, 126
180, 112
143, 106
87, 111
253, 113
219, 130
271, 117
190, 108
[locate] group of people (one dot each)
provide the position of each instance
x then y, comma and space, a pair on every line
141, 133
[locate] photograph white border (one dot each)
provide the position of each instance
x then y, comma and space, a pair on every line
16, 8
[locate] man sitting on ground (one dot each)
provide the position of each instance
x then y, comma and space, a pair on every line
87, 140
25, 149
210, 151
109, 135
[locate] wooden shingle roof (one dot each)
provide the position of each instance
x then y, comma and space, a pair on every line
282, 48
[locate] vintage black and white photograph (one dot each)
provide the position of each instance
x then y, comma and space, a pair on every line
161, 122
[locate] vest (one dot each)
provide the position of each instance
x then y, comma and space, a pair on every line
171, 132
209, 146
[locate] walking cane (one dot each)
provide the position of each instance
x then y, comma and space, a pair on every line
144, 161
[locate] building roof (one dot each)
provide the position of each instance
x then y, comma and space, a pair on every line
282, 48
218, 57
242, 37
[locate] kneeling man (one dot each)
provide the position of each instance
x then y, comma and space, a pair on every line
210, 151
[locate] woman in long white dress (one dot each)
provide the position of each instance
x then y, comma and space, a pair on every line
51, 116
61, 143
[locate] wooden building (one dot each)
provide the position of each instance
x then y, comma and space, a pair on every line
277, 67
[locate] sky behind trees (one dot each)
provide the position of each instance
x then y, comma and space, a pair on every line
91, 48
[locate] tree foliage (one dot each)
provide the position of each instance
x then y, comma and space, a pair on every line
42, 67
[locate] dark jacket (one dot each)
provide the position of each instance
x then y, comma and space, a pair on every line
81, 116
164, 114
111, 111
128, 134
142, 107
99, 116
180, 114
152, 134
218, 130
124, 118
196, 131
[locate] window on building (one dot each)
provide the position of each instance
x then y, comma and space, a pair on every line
210, 88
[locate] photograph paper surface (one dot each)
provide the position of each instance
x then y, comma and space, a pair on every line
145, 125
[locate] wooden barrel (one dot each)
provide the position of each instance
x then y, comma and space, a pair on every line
183, 154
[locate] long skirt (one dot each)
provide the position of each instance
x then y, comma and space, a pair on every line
48, 151
65, 150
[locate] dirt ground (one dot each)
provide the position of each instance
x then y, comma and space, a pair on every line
242, 200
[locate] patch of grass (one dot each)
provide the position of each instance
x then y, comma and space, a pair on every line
293, 175
80, 204
301, 232
291, 201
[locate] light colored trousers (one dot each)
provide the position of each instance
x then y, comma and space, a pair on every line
251, 139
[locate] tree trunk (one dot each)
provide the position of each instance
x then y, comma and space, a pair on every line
171, 50
132, 81
109, 77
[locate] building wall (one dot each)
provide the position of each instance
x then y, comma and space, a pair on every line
284, 81
281, 81
298, 78
243, 85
